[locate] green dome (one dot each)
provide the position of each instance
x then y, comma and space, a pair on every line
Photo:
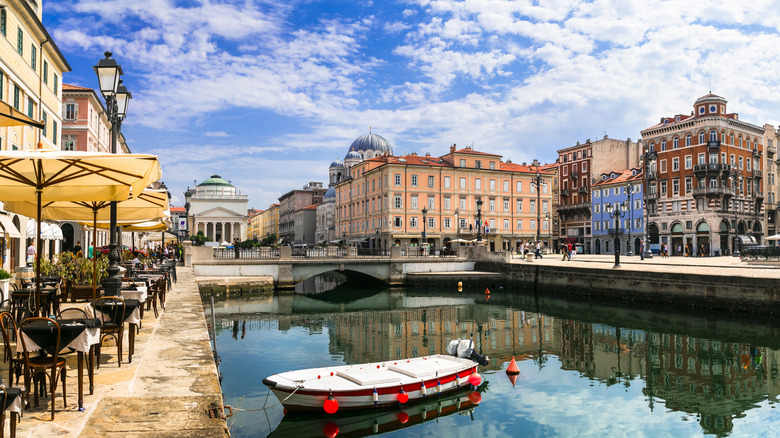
215, 180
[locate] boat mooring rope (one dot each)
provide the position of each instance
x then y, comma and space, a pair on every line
231, 408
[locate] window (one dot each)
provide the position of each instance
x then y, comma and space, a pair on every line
54, 131
414, 180
676, 187
431, 222
446, 182
506, 224
33, 56
2, 21
20, 42
430, 181
492, 223
701, 137
597, 208
462, 162
663, 188
16, 99
662, 166
675, 142
492, 185
477, 184
506, 186
397, 179
519, 185
492, 204
713, 135
637, 204
397, 202
533, 225
463, 204
702, 158
747, 164
688, 139
545, 207
462, 223
492, 165
70, 111
519, 205
69, 144
45, 72
463, 183
544, 188
596, 194
44, 124
532, 206
506, 204
2, 80
447, 203
675, 164
413, 205
56, 84
663, 145
413, 222
478, 164
447, 222
30, 108
585, 166
731, 160
740, 163
431, 203
688, 161
519, 224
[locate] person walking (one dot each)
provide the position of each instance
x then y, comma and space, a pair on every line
236, 247
77, 249
538, 253
31, 254
565, 251
642, 250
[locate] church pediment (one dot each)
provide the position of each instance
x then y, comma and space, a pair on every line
220, 212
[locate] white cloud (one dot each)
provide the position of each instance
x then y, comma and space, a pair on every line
216, 134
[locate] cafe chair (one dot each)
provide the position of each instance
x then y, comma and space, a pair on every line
73, 313
152, 296
15, 359
44, 367
111, 312
7, 396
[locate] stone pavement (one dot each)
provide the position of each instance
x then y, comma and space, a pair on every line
166, 390
725, 265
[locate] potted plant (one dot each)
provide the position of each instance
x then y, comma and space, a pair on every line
77, 274
5, 282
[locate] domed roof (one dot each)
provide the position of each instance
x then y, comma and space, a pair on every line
710, 97
371, 142
337, 163
353, 154
330, 193
215, 180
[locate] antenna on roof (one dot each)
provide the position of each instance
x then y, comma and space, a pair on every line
370, 128
710, 85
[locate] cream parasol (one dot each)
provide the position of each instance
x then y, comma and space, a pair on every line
43, 176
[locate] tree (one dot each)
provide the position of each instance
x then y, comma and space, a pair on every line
199, 239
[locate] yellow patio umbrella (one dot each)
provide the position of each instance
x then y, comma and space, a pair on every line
10, 116
148, 204
48, 175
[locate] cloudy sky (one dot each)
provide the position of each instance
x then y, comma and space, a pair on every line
267, 93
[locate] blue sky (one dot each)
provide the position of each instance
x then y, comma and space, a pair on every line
267, 93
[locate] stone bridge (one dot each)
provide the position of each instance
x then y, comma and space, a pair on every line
286, 270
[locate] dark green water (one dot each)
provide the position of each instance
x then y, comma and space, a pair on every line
585, 369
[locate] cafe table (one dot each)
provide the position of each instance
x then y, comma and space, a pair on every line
13, 404
131, 316
135, 292
79, 334
48, 297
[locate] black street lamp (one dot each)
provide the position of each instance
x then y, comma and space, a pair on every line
457, 227
537, 179
617, 213
117, 99
479, 218
376, 241
648, 160
425, 219
187, 198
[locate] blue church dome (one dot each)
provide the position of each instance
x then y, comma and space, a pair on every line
371, 142
352, 154
330, 193
337, 163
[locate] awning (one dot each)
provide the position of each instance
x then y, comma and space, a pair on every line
47, 230
12, 117
775, 237
56, 232
748, 240
8, 227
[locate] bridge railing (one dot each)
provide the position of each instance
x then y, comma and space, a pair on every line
330, 252
247, 253
759, 252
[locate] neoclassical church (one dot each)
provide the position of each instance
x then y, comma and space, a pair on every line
364, 147
219, 210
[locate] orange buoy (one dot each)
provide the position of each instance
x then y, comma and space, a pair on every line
330, 430
403, 397
475, 379
513, 378
403, 417
487, 291
331, 405
512, 368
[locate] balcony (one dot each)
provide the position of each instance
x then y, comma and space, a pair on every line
712, 168
575, 174
712, 191
564, 192
758, 195
583, 189
756, 152
573, 207
757, 174
713, 144
652, 175
652, 196
771, 150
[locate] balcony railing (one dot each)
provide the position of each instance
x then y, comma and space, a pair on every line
712, 167
757, 174
652, 175
713, 144
577, 206
575, 174
711, 191
564, 192
583, 189
758, 195
652, 196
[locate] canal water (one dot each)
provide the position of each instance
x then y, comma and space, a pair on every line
585, 369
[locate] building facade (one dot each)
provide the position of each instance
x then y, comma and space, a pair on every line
85, 125
255, 224
577, 169
412, 200
771, 136
31, 69
218, 210
270, 220
293, 201
705, 185
618, 188
306, 225
326, 219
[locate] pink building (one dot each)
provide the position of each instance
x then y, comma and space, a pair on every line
85, 126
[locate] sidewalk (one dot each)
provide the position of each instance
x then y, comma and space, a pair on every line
166, 391
727, 266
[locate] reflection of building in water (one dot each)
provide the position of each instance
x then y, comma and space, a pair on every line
717, 380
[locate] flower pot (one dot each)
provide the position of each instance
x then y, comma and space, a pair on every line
83, 292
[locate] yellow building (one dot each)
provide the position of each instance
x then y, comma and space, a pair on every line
31, 68
270, 221
255, 229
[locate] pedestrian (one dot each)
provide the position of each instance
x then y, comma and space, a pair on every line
569, 249
77, 249
565, 251
236, 246
31, 254
642, 250
538, 253
702, 251
572, 251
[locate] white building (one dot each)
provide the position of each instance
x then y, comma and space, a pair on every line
219, 210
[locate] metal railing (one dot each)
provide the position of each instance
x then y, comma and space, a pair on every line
247, 253
765, 252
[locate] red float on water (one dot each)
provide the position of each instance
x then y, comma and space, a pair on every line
475, 379
475, 397
403, 397
331, 430
403, 417
512, 368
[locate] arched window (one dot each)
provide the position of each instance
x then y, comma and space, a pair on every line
701, 137
688, 139
755, 144
731, 139
663, 145
651, 146
713, 135
675, 142
723, 136
740, 140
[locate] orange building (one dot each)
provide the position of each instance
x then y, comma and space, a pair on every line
412, 200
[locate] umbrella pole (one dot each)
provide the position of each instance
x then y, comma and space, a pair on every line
39, 245
94, 254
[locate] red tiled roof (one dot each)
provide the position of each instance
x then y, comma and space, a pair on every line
66, 87
311, 207
514, 167
622, 176
473, 152
177, 210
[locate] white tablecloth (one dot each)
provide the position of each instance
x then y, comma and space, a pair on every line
16, 405
139, 294
133, 318
88, 337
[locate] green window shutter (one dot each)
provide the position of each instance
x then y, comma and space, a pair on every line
54, 131
45, 72
16, 97
33, 56
20, 42
44, 124
2, 84
56, 84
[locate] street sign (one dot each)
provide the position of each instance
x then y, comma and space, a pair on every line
183, 224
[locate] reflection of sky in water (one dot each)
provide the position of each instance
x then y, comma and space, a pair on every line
547, 402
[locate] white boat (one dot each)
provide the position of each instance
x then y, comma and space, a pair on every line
378, 384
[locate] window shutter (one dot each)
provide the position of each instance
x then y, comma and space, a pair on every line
76, 111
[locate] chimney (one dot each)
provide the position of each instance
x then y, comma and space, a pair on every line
452, 148
427, 154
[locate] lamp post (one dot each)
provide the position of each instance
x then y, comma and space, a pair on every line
187, 198
617, 213
457, 227
549, 231
648, 160
376, 241
537, 180
630, 200
425, 220
736, 181
117, 98
479, 218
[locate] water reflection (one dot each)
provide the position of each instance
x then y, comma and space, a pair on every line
714, 370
